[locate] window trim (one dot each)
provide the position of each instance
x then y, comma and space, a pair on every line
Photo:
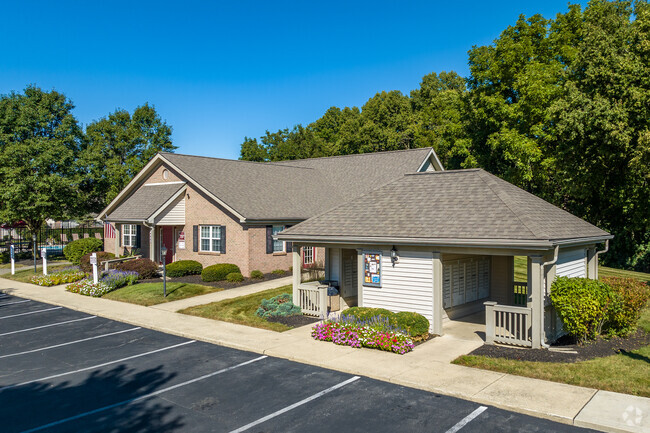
201, 250
304, 256
284, 244
132, 236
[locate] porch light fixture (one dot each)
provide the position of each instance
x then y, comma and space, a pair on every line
163, 251
393, 256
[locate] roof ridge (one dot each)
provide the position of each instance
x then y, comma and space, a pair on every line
358, 154
501, 195
458, 170
261, 163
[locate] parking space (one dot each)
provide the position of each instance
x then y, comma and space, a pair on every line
63, 370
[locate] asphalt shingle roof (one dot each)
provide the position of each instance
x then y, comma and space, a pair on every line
298, 189
144, 202
459, 204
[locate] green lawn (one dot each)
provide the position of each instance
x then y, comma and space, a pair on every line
24, 275
241, 310
626, 372
152, 293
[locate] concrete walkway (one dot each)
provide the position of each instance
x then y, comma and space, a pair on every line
427, 367
225, 294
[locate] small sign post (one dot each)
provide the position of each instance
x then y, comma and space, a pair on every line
93, 261
12, 255
44, 256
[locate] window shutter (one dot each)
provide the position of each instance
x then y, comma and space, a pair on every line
269, 239
120, 227
223, 240
195, 238
138, 235
288, 245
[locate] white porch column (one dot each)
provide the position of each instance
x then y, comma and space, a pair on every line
592, 263
360, 273
297, 270
535, 278
152, 243
438, 312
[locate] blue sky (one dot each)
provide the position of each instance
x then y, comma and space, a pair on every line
218, 71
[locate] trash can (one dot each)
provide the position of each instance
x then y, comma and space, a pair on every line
333, 299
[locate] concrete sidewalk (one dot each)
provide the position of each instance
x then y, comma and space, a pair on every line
225, 294
427, 367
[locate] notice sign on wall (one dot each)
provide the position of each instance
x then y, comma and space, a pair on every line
181, 240
372, 269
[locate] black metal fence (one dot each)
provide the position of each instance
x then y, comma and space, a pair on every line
54, 239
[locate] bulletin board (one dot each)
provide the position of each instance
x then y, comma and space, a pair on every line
372, 269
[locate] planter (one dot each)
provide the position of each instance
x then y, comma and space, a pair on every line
334, 302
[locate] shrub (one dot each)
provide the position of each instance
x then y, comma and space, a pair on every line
61, 276
235, 277
630, 296
88, 288
582, 304
412, 324
218, 272
76, 249
184, 267
257, 275
116, 279
85, 265
278, 306
278, 272
145, 268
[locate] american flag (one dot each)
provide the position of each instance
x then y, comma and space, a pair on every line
109, 231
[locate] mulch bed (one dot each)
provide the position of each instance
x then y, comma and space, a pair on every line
417, 343
196, 279
565, 350
294, 321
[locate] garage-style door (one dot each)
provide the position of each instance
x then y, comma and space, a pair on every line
465, 280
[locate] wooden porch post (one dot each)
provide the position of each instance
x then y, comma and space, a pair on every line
436, 325
592, 263
535, 277
297, 270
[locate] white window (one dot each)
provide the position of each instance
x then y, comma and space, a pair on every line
278, 246
129, 235
211, 238
307, 255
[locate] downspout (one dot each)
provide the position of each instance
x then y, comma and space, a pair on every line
603, 251
544, 265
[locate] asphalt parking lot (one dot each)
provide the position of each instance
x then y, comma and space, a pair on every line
64, 370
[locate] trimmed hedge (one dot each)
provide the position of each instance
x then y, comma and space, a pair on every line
79, 248
589, 308
218, 272
257, 275
184, 267
278, 272
415, 325
145, 268
85, 265
235, 277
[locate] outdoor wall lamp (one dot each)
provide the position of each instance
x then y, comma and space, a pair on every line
393, 256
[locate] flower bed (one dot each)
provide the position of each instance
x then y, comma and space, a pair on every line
88, 288
378, 335
62, 276
116, 279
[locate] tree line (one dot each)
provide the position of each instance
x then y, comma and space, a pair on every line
559, 107
51, 167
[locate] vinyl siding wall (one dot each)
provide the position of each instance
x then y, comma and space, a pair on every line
406, 287
174, 215
571, 263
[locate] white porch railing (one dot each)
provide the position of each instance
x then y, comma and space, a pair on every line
312, 299
508, 325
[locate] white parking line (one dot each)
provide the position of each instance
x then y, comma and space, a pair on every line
295, 405
47, 326
142, 397
17, 302
71, 342
31, 312
463, 422
97, 366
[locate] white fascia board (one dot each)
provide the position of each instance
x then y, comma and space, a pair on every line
577, 242
434, 160
242, 219
153, 216
136, 179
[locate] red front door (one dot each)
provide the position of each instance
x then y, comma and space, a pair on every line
168, 241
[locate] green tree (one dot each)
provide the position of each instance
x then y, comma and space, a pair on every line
117, 148
39, 143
